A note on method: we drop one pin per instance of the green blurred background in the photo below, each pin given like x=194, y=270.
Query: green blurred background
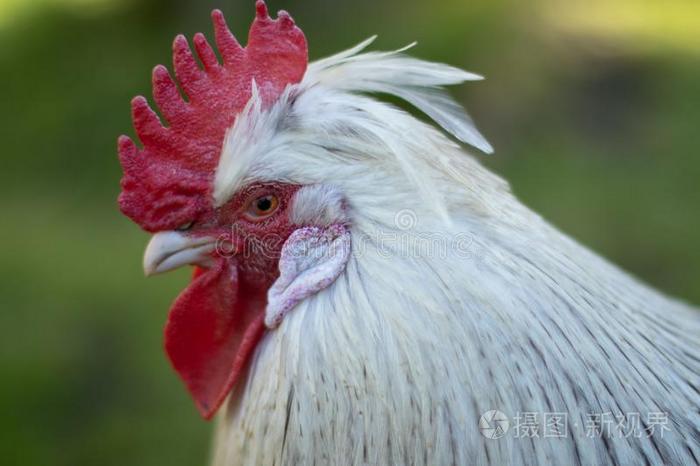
x=593, y=108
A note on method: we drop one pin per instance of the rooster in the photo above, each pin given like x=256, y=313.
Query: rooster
x=365, y=292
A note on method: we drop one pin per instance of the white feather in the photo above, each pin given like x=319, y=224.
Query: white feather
x=415, y=81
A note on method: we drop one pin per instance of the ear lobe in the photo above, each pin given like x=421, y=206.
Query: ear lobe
x=311, y=259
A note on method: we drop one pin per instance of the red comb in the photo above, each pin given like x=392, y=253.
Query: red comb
x=168, y=182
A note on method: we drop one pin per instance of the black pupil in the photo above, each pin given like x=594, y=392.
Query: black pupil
x=264, y=204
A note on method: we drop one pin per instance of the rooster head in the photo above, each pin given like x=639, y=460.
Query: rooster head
x=236, y=244
x=263, y=168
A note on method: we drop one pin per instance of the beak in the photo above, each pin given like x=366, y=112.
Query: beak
x=169, y=250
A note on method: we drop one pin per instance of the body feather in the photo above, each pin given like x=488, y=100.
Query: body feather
x=475, y=303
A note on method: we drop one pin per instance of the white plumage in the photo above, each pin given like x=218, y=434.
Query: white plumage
x=470, y=303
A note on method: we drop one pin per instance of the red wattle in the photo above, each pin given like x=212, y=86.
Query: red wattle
x=212, y=329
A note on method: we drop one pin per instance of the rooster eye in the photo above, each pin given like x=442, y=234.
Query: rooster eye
x=262, y=207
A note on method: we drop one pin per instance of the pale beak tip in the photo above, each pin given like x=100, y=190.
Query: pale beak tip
x=150, y=266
